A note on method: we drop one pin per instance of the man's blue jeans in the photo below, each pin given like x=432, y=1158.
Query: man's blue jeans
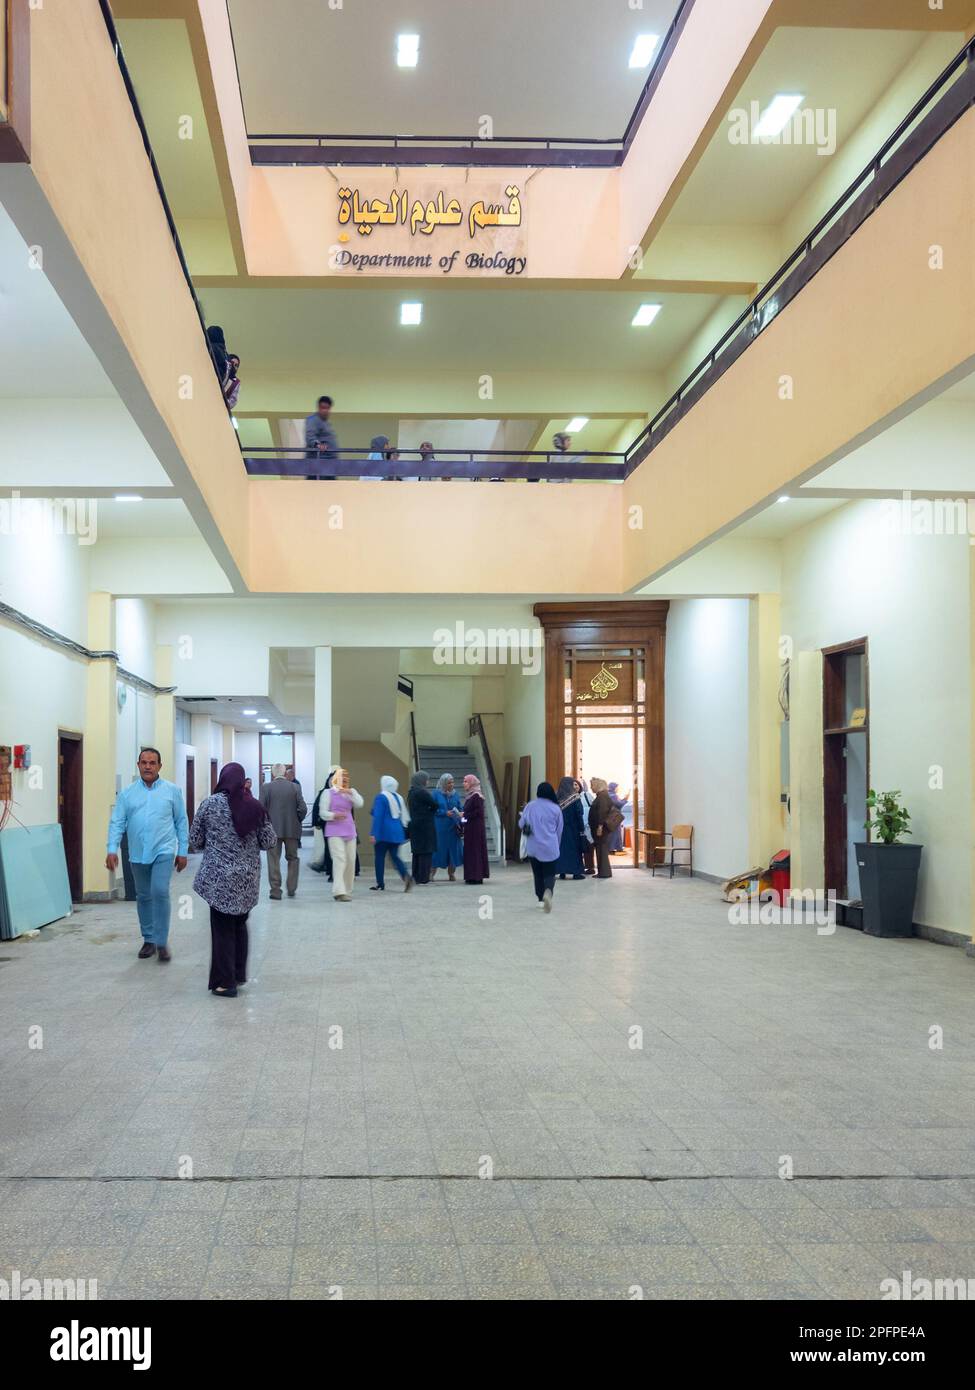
x=152, y=897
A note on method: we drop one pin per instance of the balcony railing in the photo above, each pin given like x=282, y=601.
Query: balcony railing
x=509, y=151
x=489, y=464
x=947, y=99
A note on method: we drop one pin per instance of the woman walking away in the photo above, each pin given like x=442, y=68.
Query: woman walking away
x=542, y=821
x=601, y=817
x=231, y=828
x=450, y=846
x=423, y=829
x=389, y=821
x=573, y=830
x=336, y=807
x=475, y=833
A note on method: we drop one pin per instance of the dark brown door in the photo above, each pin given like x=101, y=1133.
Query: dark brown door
x=214, y=776
x=190, y=789
x=604, y=699
x=70, y=808
x=846, y=763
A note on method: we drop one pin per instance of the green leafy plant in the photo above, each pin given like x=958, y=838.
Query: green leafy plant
x=889, y=819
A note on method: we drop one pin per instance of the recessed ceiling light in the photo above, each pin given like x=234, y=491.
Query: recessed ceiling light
x=644, y=315
x=777, y=115
x=644, y=47
x=248, y=711
x=127, y=497
x=411, y=313
x=407, y=50
x=576, y=424
x=785, y=499
x=263, y=721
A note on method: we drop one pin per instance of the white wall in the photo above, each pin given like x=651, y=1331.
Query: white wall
x=706, y=729
x=524, y=722
x=849, y=576
x=42, y=689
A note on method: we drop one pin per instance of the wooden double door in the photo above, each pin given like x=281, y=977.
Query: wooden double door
x=604, y=689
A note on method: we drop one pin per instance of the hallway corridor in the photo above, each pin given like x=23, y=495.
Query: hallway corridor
x=357, y=1170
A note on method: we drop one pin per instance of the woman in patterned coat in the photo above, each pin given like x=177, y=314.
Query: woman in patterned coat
x=231, y=828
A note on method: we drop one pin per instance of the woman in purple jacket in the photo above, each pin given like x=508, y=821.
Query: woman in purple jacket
x=542, y=820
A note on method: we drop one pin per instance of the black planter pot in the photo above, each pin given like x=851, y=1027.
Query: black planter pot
x=888, y=887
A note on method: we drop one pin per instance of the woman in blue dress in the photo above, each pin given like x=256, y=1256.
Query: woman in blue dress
x=573, y=829
x=450, y=846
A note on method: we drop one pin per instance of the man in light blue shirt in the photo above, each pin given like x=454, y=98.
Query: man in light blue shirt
x=152, y=814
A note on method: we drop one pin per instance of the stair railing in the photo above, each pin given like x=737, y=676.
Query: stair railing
x=475, y=729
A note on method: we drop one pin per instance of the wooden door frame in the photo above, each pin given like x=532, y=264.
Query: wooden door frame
x=190, y=780
x=638, y=623
x=835, y=762
x=74, y=852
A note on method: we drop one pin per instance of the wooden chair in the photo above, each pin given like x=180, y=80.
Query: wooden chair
x=671, y=848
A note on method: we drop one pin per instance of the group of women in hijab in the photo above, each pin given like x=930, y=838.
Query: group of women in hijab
x=447, y=831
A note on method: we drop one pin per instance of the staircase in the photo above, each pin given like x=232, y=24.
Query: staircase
x=437, y=759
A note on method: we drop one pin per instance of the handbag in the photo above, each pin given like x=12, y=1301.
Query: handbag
x=614, y=819
x=523, y=844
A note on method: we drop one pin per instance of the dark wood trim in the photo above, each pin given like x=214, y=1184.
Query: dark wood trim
x=15, y=131
x=71, y=807
x=835, y=735
x=637, y=623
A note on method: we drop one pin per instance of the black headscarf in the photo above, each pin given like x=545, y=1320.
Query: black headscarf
x=247, y=812
x=567, y=792
x=546, y=792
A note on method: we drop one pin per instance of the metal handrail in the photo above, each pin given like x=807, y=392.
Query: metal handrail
x=300, y=461
x=414, y=747
x=475, y=729
x=109, y=19
x=644, y=442
x=526, y=149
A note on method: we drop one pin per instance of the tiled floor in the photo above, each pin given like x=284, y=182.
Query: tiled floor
x=443, y=1096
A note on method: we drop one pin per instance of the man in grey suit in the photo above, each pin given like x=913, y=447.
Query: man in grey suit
x=285, y=805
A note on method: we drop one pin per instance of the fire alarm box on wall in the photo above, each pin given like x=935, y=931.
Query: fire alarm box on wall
x=22, y=756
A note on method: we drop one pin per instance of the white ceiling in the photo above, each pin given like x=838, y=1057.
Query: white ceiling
x=844, y=72
x=230, y=711
x=42, y=350
x=358, y=329
x=150, y=518
x=535, y=67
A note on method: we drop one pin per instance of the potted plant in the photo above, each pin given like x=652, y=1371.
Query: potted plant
x=888, y=868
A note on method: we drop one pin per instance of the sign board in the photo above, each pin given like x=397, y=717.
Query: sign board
x=424, y=228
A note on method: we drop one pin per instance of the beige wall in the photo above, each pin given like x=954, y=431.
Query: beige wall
x=744, y=443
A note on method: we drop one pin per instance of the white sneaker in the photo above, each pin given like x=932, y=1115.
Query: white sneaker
x=547, y=900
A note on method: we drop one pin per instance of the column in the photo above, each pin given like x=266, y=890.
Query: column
x=228, y=749
x=766, y=822
x=323, y=714
x=99, y=753
x=164, y=735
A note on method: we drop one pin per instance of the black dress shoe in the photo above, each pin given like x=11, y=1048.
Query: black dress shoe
x=225, y=993
x=165, y=953
x=147, y=950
